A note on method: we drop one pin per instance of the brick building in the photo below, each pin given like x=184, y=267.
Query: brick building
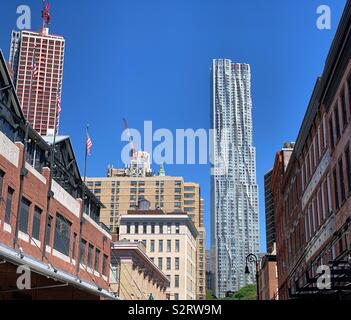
x=268, y=278
x=312, y=196
x=42, y=222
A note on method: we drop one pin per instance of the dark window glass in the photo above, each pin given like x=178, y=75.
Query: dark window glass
x=331, y=132
x=8, y=209
x=342, y=182
x=104, y=265
x=48, y=231
x=97, y=260
x=36, y=223
x=24, y=214
x=336, y=191
x=337, y=123
x=343, y=110
x=83, y=245
x=90, y=255
x=62, y=234
x=348, y=167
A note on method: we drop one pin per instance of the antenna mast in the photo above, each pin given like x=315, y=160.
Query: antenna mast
x=45, y=14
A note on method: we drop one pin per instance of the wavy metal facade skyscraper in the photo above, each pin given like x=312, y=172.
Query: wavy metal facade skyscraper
x=235, y=222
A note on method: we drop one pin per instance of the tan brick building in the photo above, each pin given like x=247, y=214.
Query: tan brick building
x=170, y=241
x=120, y=192
x=135, y=276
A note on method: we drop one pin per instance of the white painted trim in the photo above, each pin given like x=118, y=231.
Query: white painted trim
x=61, y=256
x=23, y=236
x=62, y=196
x=35, y=173
x=9, y=150
x=35, y=242
x=90, y=220
x=7, y=227
x=48, y=249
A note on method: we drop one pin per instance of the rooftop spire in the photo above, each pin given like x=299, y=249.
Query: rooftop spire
x=45, y=14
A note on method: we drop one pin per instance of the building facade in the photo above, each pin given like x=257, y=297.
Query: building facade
x=313, y=194
x=268, y=278
x=235, y=226
x=38, y=95
x=170, y=241
x=269, y=210
x=122, y=190
x=43, y=225
x=133, y=275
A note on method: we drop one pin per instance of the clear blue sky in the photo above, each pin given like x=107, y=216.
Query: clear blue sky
x=150, y=60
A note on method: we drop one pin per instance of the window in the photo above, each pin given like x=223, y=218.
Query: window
x=177, y=246
x=160, y=263
x=343, y=110
x=160, y=245
x=177, y=228
x=342, y=182
x=336, y=192
x=36, y=223
x=8, y=209
x=161, y=228
x=83, y=245
x=62, y=234
x=128, y=228
x=168, y=263
x=176, y=263
x=104, y=265
x=90, y=255
x=176, y=281
x=24, y=214
x=332, y=143
x=136, y=228
x=176, y=296
x=144, y=228
x=48, y=231
x=152, y=228
x=337, y=123
x=97, y=260
x=348, y=167
x=152, y=246
x=169, y=245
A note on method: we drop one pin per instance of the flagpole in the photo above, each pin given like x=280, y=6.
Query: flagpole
x=86, y=154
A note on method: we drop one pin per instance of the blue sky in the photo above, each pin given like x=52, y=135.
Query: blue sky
x=150, y=60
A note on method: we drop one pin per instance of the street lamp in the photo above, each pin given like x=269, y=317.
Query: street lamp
x=249, y=259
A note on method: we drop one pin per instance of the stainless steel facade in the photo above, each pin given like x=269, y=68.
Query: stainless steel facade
x=235, y=224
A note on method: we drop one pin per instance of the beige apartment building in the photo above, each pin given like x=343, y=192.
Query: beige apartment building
x=170, y=241
x=122, y=190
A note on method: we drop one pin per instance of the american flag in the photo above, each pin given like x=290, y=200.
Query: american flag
x=89, y=144
x=58, y=105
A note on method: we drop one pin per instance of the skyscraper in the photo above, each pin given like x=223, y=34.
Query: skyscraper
x=38, y=95
x=235, y=226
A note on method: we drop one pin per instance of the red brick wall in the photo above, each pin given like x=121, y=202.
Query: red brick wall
x=36, y=192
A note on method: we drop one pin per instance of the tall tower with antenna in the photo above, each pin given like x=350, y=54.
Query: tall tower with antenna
x=45, y=52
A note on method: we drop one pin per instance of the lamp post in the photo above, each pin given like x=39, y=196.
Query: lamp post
x=249, y=259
